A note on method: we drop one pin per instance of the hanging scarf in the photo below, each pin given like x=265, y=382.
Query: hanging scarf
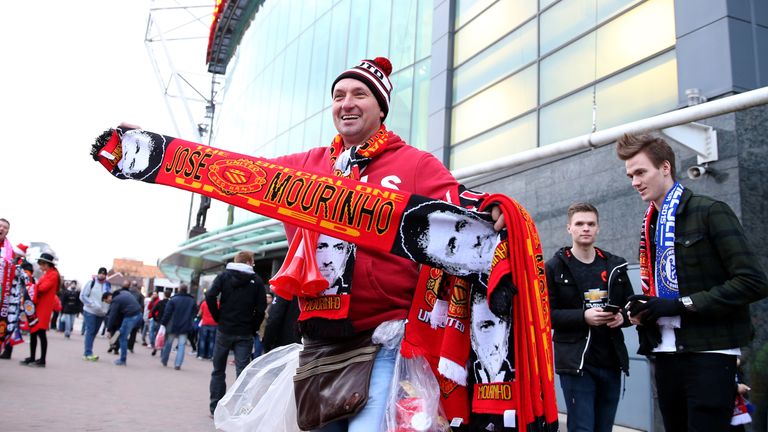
x=518, y=261
x=7, y=271
x=658, y=274
x=324, y=300
x=20, y=302
x=394, y=221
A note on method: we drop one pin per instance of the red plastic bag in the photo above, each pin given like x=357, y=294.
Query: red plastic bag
x=160, y=338
x=414, y=399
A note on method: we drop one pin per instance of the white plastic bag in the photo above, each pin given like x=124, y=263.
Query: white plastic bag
x=413, y=404
x=261, y=399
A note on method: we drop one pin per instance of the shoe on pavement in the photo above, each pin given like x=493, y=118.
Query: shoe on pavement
x=154, y=351
x=119, y=362
x=164, y=364
x=177, y=367
x=27, y=361
x=37, y=363
x=91, y=357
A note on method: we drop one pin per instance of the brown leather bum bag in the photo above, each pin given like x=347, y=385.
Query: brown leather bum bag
x=331, y=382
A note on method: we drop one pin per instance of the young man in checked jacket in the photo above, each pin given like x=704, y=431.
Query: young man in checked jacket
x=699, y=277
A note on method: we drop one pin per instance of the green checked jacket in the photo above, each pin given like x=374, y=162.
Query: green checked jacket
x=719, y=271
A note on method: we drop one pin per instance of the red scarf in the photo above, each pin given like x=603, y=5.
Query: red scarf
x=646, y=259
x=521, y=259
x=299, y=275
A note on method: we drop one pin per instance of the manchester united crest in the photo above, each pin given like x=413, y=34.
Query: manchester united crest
x=239, y=176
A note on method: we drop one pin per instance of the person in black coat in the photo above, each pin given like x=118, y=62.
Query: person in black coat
x=177, y=319
x=240, y=310
x=281, y=324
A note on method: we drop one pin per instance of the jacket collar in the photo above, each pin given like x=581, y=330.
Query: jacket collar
x=242, y=267
x=687, y=194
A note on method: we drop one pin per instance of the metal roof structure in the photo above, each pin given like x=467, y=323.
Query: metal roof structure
x=182, y=37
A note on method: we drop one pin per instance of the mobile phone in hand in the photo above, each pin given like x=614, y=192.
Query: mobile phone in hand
x=611, y=308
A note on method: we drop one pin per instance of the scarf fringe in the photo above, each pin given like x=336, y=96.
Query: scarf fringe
x=100, y=142
x=453, y=371
x=439, y=315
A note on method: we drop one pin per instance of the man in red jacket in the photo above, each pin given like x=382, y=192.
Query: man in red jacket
x=381, y=286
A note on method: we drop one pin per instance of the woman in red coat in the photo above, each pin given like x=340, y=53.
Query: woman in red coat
x=44, y=301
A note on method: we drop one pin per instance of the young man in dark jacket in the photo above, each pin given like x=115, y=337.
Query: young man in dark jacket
x=178, y=319
x=242, y=301
x=587, y=289
x=699, y=276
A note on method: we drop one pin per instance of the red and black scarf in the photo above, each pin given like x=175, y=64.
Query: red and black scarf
x=383, y=219
x=323, y=303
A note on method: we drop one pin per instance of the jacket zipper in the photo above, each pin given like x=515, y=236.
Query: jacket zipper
x=586, y=347
x=609, y=279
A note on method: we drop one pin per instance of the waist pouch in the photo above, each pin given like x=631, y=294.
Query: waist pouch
x=331, y=382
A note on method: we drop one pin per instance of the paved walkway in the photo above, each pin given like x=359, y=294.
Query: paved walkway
x=72, y=394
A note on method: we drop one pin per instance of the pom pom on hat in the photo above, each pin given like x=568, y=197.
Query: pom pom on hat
x=375, y=75
x=384, y=64
x=20, y=249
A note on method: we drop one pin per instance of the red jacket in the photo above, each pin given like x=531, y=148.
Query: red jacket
x=45, y=298
x=383, y=284
x=205, y=315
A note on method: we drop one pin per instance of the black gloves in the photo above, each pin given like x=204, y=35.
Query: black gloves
x=649, y=309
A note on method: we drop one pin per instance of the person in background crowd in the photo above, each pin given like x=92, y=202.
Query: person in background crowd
x=207, y=331
x=148, y=304
x=45, y=294
x=70, y=306
x=177, y=319
x=157, y=316
x=258, y=345
x=124, y=313
x=94, y=310
x=281, y=324
x=236, y=300
x=56, y=324
x=133, y=288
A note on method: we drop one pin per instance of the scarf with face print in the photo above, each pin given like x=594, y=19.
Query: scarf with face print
x=318, y=267
x=431, y=232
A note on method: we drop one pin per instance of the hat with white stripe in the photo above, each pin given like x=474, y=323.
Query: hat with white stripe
x=375, y=75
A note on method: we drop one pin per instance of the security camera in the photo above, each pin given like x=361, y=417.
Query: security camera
x=696, y=171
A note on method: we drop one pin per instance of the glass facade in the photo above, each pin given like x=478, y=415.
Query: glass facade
x=278, y=91
x=557, y=69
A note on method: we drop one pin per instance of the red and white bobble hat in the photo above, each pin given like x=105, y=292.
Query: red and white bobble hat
x=375, y=75
x=20, y=249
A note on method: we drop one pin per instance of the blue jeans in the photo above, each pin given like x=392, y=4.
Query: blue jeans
x=591, y=398
x=92, y=324
x=206, y=341
x=68, y=320
x=371, y=417
x=153, y=326
x=166, y=352
x=258, y=348
x=125, y=330
x=243, y=346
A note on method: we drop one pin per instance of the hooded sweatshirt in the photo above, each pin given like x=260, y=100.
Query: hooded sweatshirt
x=242, y=300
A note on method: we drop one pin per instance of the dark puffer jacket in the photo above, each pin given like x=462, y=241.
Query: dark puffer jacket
x=242, y=302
